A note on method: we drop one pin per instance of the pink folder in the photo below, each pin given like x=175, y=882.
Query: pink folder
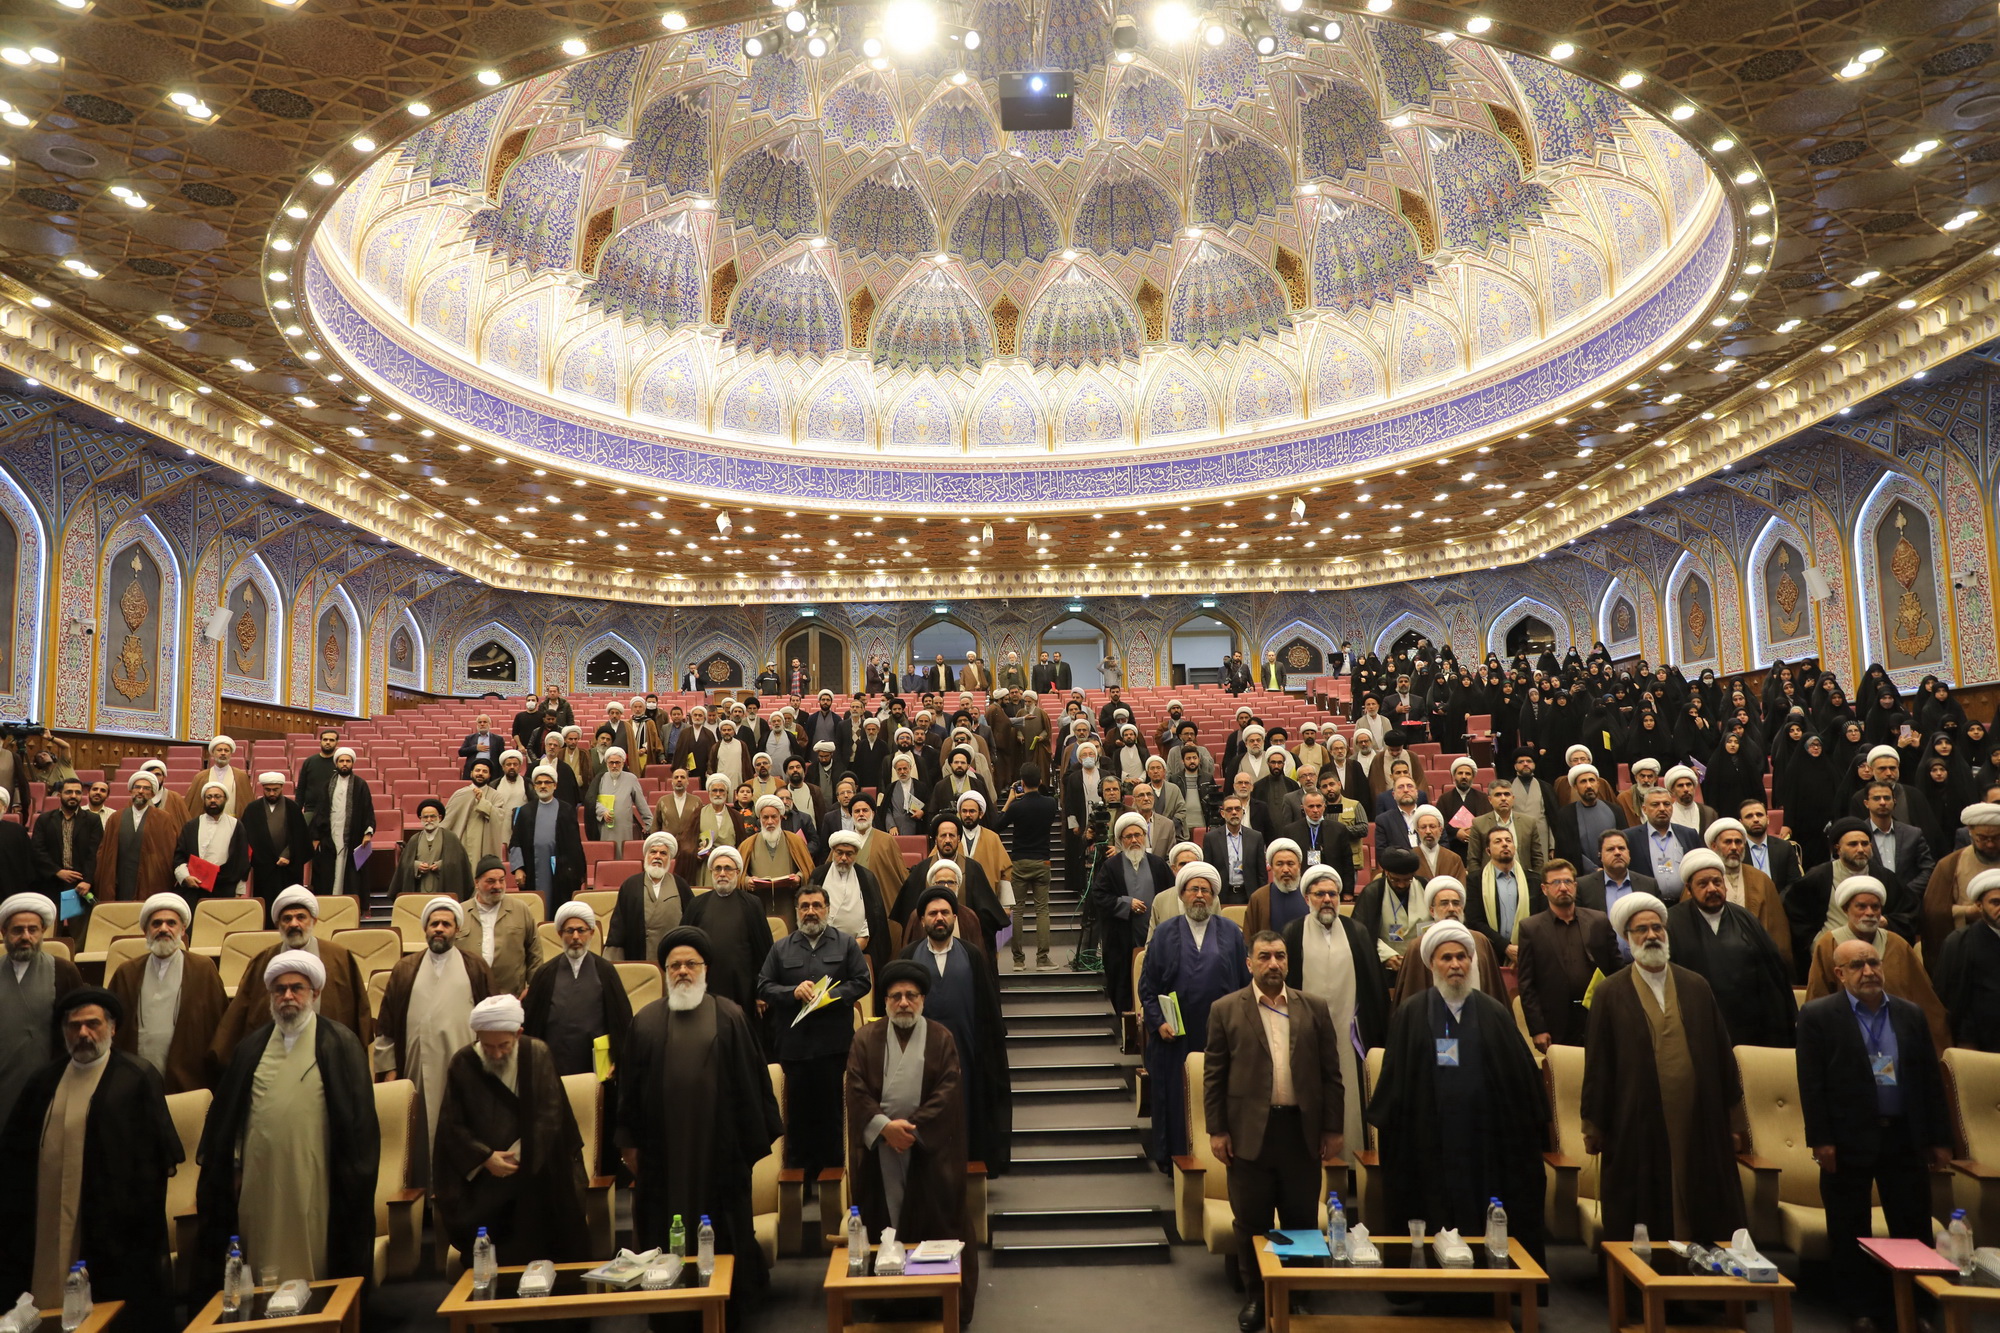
x=1907, y=1256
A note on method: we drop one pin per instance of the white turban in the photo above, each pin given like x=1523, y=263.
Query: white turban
x=905, y=731
x=1676, y=773
x=1314, y=874
x=1430, y=810
x=208, y=787
x=456, y=908
x=1646, y=766
x=497, y=1013
x=1575, y=750
x=143, y=775
x=505, y=755
x=1180, y=847
x=845, y=838
x=938, y=868
x=1253, y=730
x=158, y=766
x=1854, y=886
x=549, y=769
x=1197, y=870
x=1464, y=762
x=296, y=896
x=577, y=910
x=345, y=750
x=1130, y=819
x=1722, y=826
x=1174, y=703
x=164, y=902
x=1980, y=814
x=1698, y=859
x=714, y=780
x=1308, y=726
x=1277, y=845
x=1632, y=904
x=771, y=801
x=274, y=776
x=214, y=741
x=1431, y=887
x=40, y=904
x=1440, y=933
x=1884, y=752
x=305, y=964
x=618, y=750
x=1982, y=884
x=663, y=839
x=725, y=852
x=1581, y=771
x=972, y=794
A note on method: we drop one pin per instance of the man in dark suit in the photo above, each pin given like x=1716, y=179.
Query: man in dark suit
x=1235, y=674
x=280, y=843
x=1909, y=806
x=1236, y=851
x=691, y=680
x=484, y=743
x=1559, y=951
x=1321, y=838
x=1271, y=1136
x=1900, y=847
x=1502, y=894
x=938, y=676
x=1043, y=676
x=1775, y=856
x=545, y=851
x=1658, y=844
x=1614, y=878
x=1060, y=675
x=86, y=831
x=1875, y=1117
x=1397, y=826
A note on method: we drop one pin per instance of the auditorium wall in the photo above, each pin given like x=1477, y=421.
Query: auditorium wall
x=1892, y=506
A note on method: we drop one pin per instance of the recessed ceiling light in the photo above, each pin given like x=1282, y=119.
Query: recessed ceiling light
x=489, y=77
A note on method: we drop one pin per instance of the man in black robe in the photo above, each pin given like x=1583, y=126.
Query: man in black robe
x=1730, y=949
x=508, y=1155
x=739, y=934
x=696, y=1112
x=544, y=849
x=1459, y=1112
x=108, y=1155
x=948, y=844
x=1968, y=969
x=1121, y=897
x=854, y=898
x=965, y=998
x=280, y=843
x=812, y=1049
x=906, y=1147
x=576, y=997
x=349, y=1154
x=347, y=798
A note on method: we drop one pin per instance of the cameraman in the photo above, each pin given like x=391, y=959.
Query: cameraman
x=1031, y=813
x=48, y=760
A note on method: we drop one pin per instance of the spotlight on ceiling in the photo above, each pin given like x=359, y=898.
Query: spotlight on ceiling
x=1256, y=30
x=1317, y=28
x=820, y=40
x=768, y=42
x=1214, y=32
x=1173, y=21
x=795, y=21
x=1125, y=36
x=909, y=26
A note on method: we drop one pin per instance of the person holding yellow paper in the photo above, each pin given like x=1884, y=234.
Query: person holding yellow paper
x=576, y=997
x=1563, y=948
x=808, y=988
x=614, y=807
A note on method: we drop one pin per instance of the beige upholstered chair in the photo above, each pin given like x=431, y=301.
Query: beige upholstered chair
x=552, y=945
x=107, y=922
x=602, y=902
x=337, y=912
x=406, y=918
x=57, y=946
x=216, y=918
x=375, y=949
x=378, y=988
x=1201, y=1182
x=190, y=1112
x=777, y=925
x=1972, y=1084
x=1371, y=1206
x=122, y=951
x=1236, y=912
x=600, y=1200
x=643, y=983
x=237, y=952
x=767, y=1189
x=1571, y=1205
x=398, y=1206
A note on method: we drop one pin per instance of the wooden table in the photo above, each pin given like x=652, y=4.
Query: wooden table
x=339, y=1308
x=842, y=1291
x=1962, y=1299
x=1657, y=1288
x=101, y=1315
x=1520, y=1281
x=573, y=1299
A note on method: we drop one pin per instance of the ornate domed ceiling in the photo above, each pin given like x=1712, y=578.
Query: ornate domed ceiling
x=770, y=278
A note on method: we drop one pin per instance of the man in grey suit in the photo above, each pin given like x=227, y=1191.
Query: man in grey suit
x=1530, y=843
x=1658, y=844
x=1271, y=1127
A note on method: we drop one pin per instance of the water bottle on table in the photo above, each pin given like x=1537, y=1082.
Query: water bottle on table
x=485, y=1262
x=857, y=1243
x=1961, y=1242
x=1496, y=1231
x=76, y=1297
x=233, y=1270
x=677, y=1236
x=1336, y=1230
x=705, y=1253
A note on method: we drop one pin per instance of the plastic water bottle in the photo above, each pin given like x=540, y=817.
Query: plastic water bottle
x=857, y=1243
x=704, y=1262
x=485, y=1262
x=76, y=1297
x=1961, y=1242
x=1496, y=1231
x=232, y=1277
x=1642, y=1243
x=677, y=1236
x=1336, y=1229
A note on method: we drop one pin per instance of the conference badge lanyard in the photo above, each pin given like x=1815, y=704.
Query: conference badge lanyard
x=1880, y=1062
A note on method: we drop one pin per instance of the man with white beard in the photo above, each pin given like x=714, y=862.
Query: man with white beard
x=295, y=1114
x=501, y=929
x=576, y=997
x=816, y=964
x=853, y=899
x=90, y=1148
x=427, y=1008
x=1279, y=903
x=696, y=1112
x=1460, y=1113
x=776, y=859
x=1197, y=957
x=1661, y=1092
x=1433, y=857
x=881, y=854
x=717, y=825
x=1332, y=958
x=650, y=903
x=1120, y=896
x=341, y=996
x=738, y=934
x=614, y=806
x=174, y=998
x=510, y=792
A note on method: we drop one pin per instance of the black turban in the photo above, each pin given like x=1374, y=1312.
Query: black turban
x=1840, y=828
x=70, y=1001
x=694, y=937
x=1398, y=861
x=906, y=969
x=429, y=801
x=931, y=895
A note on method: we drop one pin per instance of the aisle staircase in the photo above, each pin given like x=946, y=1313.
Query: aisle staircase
x=1081, y=1190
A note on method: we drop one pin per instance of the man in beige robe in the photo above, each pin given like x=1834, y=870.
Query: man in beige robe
x=983, y=845
x=883, y=857
x=1861, y=898
x=427, y=1009
x=234, y=778
x=475, y=816
x=776, y=860
x=343, y=997
x=500, y=929
x=1750, y=888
